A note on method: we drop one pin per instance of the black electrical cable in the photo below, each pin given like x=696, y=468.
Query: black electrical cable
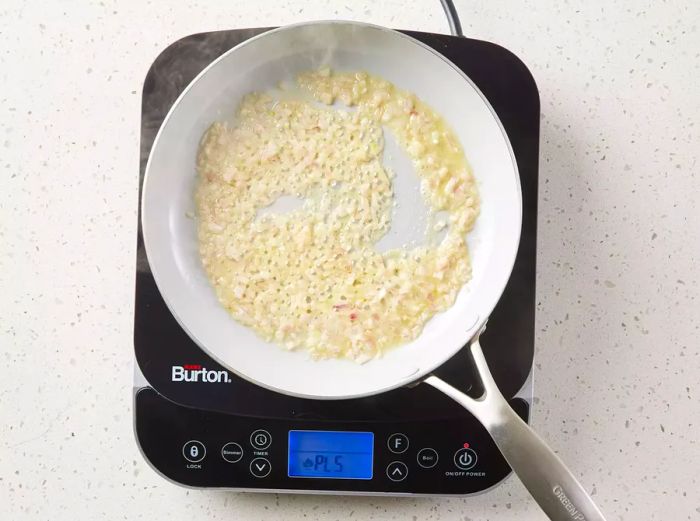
x=452, y=17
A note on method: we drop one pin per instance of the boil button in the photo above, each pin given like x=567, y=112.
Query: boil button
x=427, y=458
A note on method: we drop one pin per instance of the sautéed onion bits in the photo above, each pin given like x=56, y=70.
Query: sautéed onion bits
x=312, y=278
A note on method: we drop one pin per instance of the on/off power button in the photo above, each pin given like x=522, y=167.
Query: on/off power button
x=465, y=459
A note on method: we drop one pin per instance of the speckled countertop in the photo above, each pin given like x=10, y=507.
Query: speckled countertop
x=618, y=363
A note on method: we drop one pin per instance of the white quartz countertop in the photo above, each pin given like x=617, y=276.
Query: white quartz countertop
x=618, y=324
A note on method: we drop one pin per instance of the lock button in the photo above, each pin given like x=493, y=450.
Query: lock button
x=194, y=451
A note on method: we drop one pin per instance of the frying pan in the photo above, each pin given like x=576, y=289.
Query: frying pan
x=170, y=236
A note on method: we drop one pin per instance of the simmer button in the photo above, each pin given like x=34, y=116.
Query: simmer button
x=232, y=452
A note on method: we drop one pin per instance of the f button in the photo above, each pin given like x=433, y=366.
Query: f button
x=398, y=443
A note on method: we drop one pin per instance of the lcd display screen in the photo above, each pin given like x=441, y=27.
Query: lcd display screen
x=330, y=454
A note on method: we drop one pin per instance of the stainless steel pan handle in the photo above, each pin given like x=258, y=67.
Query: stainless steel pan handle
x=544, y=475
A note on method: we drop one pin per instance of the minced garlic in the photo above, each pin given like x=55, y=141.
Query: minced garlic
x=311, y=278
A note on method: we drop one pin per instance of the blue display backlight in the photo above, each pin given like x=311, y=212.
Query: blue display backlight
x=329, y=454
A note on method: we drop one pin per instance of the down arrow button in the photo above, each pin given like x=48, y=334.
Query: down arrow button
x=260, y=467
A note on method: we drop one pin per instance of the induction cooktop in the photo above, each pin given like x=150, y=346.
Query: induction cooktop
x=199, y=425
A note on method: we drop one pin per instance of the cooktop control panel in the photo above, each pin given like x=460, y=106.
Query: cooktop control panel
x=208, y=449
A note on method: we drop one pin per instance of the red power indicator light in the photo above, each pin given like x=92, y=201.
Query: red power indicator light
x=466, y=445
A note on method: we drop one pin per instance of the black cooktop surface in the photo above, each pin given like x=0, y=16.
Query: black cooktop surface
x=207, y=433
x=508, y=343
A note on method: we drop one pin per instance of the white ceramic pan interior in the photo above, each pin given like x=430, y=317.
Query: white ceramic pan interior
x=260, y=64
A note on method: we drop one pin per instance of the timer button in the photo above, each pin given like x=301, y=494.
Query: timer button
x=194, y=451
x=397, y=471
x=260, y=467
x=260, y=439
x=397, y=443
x=465, y=459
x=427, y=458
x=232, y=452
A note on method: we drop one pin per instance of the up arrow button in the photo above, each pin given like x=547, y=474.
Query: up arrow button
x=397, y=471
